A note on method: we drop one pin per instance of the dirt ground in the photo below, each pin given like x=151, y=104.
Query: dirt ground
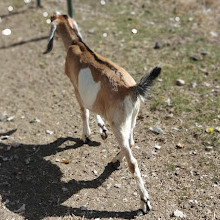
x=46, y=172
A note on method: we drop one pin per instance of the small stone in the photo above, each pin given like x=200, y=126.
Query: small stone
x=49, y=132
x=169, y=116
x=157, y=46
x=102, y=2
x=83, y=208
x=193, y=153
x=6, y=32
x=175, y=129
x=27, y=1
x=217, y=129
x=168, y=101
x=117, y=186
x=48, y=21
x=177, y=213
x=134, y=194
x=8, y=148
x=157, y=147
x=180, y=146
x=194, y=85
x=27, y=160
x=195, y=58
x=64, y=189
x=6, y=201
x=10, y=8
x=10, y=118
x=108, y=186
x=209, y=148
x=213, y=34
x=5, y=159
x=21, y=209
x=45, y=14
x=15, y=144
x=4, y=137
x=177, y=19
x=156, y=130
x=180, y=82
x=206, y=84
x=35, y=120
x=134, y=31
x=204, y=53
x=153, y=152
x=3, y=116
x=95, y=172
x=137, y=147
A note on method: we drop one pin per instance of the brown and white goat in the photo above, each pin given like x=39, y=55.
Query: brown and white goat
x=106, y=89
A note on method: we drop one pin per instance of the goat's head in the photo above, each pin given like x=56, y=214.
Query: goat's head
x=58, y=21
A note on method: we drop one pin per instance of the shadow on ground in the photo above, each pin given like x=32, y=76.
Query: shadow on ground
x=20, y=43
x=27, y=178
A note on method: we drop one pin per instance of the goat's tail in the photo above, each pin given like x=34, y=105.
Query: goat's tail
x=143, y=87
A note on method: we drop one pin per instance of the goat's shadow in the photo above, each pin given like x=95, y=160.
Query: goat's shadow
x=27, y=178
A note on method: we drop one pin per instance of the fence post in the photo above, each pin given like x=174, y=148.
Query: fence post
x=70, y=8
x=39, y=3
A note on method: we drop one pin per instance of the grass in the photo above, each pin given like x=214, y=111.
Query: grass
x=18, y=4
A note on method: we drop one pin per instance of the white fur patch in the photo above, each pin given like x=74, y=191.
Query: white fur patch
x=88, y=88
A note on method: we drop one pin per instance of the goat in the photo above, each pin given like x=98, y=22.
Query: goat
x=106, y=89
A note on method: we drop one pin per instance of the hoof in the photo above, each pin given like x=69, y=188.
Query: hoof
x=103, y=131
x=140, y=212
x=104, y=134
x=146, y=206
x=86, y=140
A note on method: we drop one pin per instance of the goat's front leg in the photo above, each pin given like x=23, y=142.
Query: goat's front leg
x=102, y=129
x=85, y=118
x=86, y=129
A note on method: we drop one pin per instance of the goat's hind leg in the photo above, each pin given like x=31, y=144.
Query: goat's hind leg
x=123, y=138
x=102, y=129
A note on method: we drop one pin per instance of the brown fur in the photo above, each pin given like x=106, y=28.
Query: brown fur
x=115, y=85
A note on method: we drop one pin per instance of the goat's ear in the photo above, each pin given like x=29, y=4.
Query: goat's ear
x=77, y=29
x=50, y=38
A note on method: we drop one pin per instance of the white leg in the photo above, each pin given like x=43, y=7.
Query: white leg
x=85, y=118
x=133, y=123
x=123, y=133
x=86, y=129
x=102, y=129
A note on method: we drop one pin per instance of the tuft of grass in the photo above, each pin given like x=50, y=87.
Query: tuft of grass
x=18, y=4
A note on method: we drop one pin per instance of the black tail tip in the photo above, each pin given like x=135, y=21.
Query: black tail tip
x=156, y=71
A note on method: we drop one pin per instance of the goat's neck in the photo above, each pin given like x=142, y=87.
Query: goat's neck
x=68, y=36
